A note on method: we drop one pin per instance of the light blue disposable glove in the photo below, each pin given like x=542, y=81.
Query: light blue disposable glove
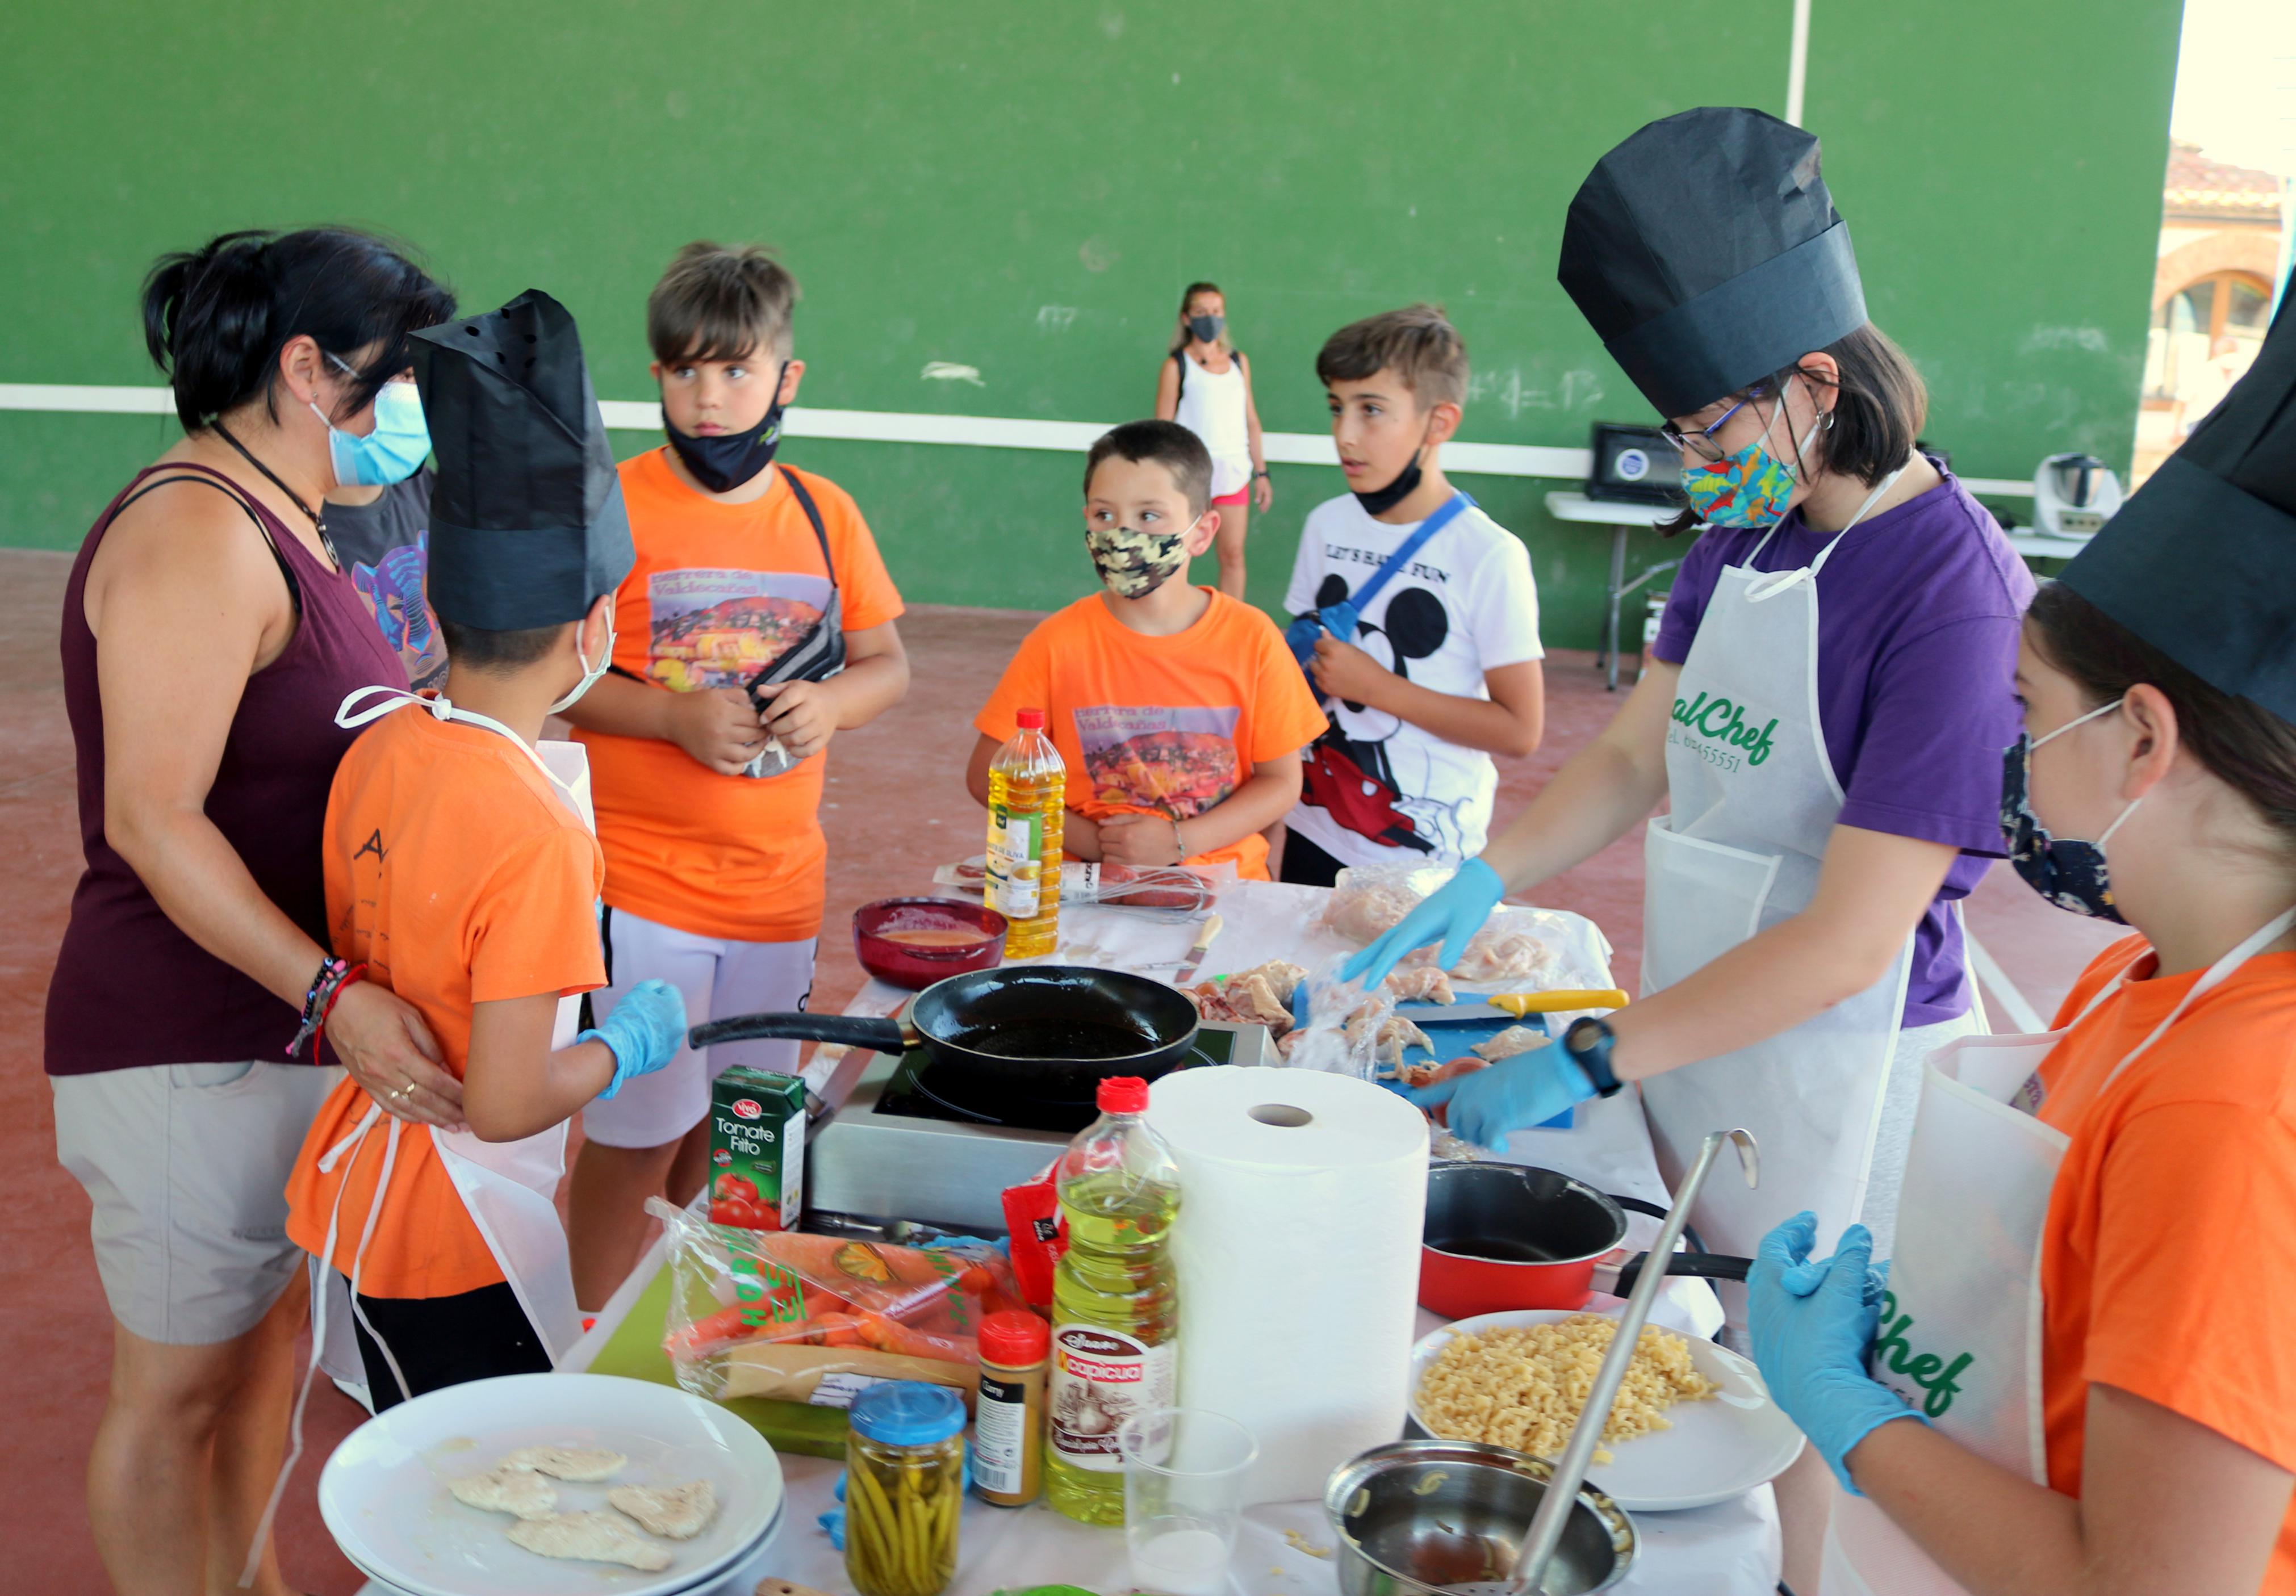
x=1512, y=1095
x=645, y=1030
x=1451, y=915
x=1813, y=1323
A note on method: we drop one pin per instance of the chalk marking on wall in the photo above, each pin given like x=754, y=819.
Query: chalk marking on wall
x=948, y=371
x=907, y=427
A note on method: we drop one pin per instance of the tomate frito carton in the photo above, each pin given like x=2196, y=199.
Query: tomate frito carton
x=757, y=1149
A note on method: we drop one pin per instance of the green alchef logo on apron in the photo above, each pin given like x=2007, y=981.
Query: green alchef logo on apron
x=1723, y=721
x=1936, y=1377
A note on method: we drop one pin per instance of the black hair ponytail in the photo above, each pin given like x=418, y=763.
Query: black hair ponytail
x=215, y=318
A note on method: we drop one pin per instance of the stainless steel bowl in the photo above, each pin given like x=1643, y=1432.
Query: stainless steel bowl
x=1425, y=1518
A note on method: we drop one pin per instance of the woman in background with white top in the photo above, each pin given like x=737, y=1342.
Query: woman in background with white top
x=1206, y=387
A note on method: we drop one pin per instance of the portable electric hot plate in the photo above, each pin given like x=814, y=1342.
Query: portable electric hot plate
x=894, y=1150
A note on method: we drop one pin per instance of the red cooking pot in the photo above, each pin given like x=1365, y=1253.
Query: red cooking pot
x=1501, y=1236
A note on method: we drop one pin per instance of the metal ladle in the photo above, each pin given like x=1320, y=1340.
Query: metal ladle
x=1561, y=1494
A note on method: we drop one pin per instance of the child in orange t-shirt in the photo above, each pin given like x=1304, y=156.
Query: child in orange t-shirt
x=707, y=781
x=461, y=875
x=1178, y=711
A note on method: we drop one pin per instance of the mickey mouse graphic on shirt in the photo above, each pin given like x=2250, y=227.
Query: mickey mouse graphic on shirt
x=1413, y=626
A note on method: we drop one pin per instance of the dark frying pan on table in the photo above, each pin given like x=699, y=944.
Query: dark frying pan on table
x=1045, y=1033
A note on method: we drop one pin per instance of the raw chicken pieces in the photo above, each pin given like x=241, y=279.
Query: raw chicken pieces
x=1369, y=903
x=1262, y=995
x=1434, y=1074
x=679, y=1512
x=584, y=1464
x=1515, y=1039
x=1425, y=985
x=515, y=1491
x=590, y=1537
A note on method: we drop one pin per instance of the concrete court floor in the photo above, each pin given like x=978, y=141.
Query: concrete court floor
x=896, y=807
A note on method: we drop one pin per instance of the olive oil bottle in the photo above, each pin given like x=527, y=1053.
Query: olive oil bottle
x=1115, y=1312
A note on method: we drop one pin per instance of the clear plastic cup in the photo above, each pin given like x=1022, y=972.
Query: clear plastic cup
x=1184, y=1471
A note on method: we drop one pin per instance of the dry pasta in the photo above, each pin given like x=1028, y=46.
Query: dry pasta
x=1523, y=1388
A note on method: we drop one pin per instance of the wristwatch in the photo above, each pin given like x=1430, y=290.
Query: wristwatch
x=1588, y=1044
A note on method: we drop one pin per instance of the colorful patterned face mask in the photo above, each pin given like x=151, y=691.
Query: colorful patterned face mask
x=1134, y=563
x=1746, y=490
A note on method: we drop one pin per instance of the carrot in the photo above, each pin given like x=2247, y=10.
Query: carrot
x=840, y=1330
x=889, y=1335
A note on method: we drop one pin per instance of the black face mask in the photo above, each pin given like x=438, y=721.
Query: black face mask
x=1206, y=328
x=724, y=460
x=1380, y=501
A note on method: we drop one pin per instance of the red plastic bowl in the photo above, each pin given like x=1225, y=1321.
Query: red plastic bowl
x=971, y=937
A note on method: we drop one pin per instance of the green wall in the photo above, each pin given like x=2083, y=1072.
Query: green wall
x=1024, y=187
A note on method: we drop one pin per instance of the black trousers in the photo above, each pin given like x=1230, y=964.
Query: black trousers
x=443, y=1341
x=1307, y=865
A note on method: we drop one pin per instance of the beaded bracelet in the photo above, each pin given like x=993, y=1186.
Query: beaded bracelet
x=319, y=1031
x=1179, y=842
x=334, y=973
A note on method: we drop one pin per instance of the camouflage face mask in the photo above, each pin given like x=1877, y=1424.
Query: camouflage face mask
x=1134, y=563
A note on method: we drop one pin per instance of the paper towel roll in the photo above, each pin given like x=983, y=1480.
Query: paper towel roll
x=1296, y=1249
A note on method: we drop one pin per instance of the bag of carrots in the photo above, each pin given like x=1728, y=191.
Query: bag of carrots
x=816, y=1319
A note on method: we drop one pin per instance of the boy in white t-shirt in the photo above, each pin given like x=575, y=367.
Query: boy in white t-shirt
x=1443, y=670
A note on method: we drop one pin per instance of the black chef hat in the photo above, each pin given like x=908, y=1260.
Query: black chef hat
x=1707, y=253
x=526, y=523
x=2201, y=562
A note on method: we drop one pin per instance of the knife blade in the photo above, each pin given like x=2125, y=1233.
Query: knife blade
x=1203, y=945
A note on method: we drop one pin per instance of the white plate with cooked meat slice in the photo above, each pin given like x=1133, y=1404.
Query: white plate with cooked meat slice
x=674, y=1512
x=387, y=1495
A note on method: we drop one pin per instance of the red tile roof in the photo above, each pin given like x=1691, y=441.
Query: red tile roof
x=2198, y=186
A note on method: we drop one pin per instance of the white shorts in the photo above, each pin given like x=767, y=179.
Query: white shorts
x=718, y=978
x=186, y=1166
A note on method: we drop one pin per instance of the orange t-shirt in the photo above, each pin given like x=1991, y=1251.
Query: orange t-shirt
x=2161, y=1268
x=1160, y=725
x=457, y=873
x=718, y=593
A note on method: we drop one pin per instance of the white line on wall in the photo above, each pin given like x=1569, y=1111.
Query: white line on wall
x=915, y=427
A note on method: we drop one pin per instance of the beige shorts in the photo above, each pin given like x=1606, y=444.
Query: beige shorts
x=186, y=1165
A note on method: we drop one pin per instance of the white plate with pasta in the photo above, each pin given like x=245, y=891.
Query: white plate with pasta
x=1513, y=1388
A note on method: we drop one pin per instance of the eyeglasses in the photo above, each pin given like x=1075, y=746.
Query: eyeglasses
x=1701, y=443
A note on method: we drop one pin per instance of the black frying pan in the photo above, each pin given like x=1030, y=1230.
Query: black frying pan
x=1039, y=1033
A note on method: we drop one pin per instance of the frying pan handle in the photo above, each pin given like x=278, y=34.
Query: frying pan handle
x=854, y=1030
x=1704, y=1266
x=1637, y=1205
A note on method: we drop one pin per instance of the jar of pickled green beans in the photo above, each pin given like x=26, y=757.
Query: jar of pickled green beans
x=904, y=1488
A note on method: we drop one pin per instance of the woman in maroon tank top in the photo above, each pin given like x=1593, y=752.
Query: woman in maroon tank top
x=208, y=634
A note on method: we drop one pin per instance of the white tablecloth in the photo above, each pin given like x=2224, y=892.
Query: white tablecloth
x=1728, y=1550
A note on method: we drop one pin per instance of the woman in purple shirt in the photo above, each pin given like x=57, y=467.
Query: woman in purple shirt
x=209, y=634
x=1823, y=711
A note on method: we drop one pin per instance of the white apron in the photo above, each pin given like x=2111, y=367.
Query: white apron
x=1961, y=1328
x=1753, y=803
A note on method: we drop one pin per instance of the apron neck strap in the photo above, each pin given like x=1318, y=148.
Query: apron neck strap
x=1770, y=586
x=443, y=708
x=2215, y=976
x=1872, y=499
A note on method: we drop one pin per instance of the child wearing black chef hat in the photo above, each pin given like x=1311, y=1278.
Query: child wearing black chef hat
x=460, y=872
x=2077, y=1374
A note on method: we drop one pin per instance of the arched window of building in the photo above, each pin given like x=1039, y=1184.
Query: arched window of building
x=2204, y=337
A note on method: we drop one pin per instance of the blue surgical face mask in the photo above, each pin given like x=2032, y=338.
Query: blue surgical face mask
x=393, y=452
x=2068, y=872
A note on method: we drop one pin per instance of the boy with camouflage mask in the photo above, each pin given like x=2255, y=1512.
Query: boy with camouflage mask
x=1178, y=710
